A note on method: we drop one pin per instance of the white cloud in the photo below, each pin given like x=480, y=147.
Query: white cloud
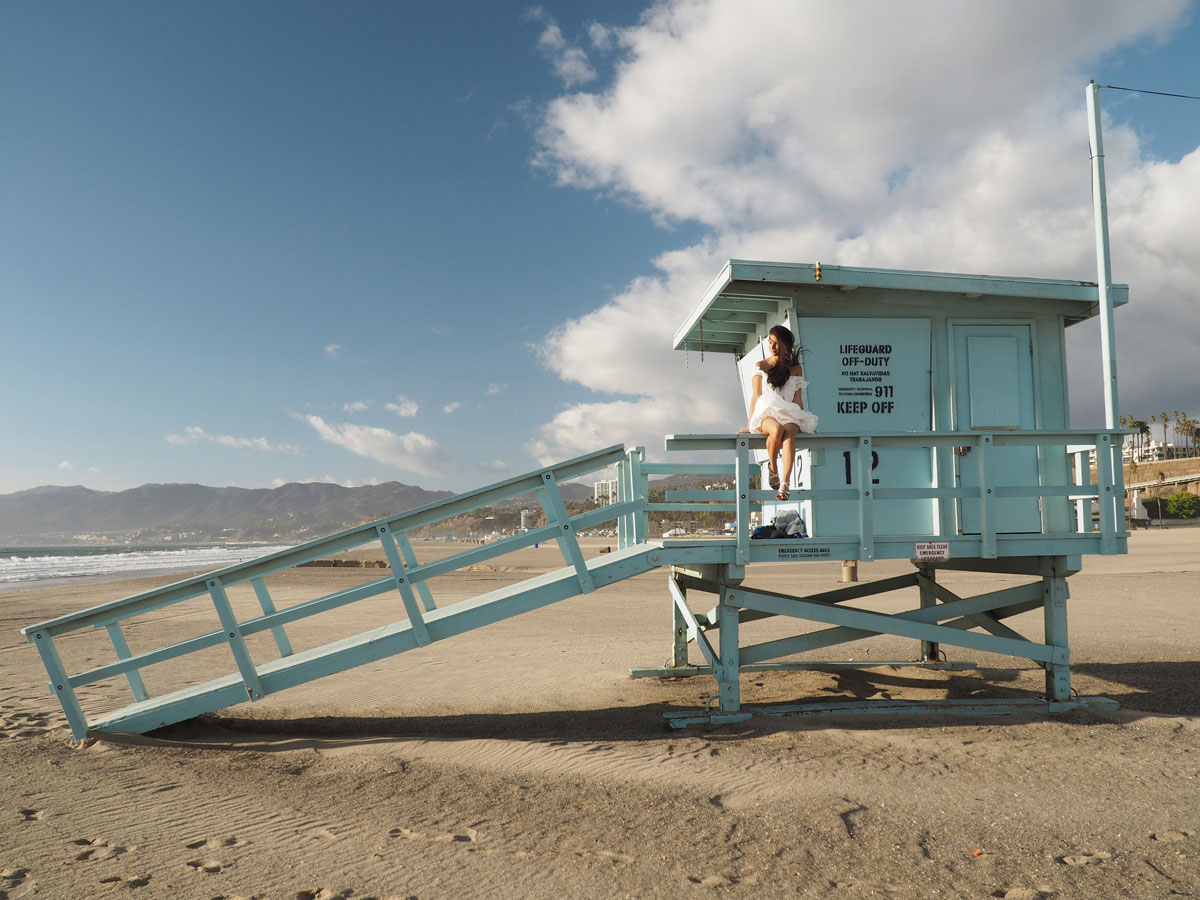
x=332, y=350
x=494, y=466
x=493, y=389
x=888, y=142
x=451, y=407
x=414, y=451
x=570, y=62
x=601, y=36
x=403, y=407
x=357, y=406
x=194, y=434
x=65, y=465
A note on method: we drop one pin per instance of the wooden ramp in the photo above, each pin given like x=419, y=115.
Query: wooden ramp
x=422, y=623
x=369, y=646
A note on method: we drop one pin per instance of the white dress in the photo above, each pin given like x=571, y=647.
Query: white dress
x=777, y=404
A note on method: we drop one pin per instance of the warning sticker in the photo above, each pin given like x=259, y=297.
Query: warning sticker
x=927, y=550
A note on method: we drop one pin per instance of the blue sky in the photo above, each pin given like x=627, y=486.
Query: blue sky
x=252, y=243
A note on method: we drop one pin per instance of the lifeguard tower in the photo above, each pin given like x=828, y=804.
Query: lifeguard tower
x=944, y=439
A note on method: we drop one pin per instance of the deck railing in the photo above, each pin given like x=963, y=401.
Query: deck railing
x=1107, y=494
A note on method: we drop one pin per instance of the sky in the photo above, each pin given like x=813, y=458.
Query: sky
x=252, y=243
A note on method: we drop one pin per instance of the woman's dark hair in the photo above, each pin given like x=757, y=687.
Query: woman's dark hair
x=779, y=373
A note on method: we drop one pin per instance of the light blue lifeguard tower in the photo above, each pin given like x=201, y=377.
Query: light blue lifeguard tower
x=944, y=440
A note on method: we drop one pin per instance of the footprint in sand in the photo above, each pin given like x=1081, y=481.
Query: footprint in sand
x=1021, y=894
x=1094, y=858
x=129, y=881
x=13, y=879
x=31, y=815
x=207, y=866
x=1172, y=836
x=98, y=848
x=615, y=858
x=466, y=836
x=712, y=881
x=24, y=725
x=216, y=843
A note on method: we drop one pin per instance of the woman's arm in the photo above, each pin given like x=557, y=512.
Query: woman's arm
x=798, y=370
x=757, y=381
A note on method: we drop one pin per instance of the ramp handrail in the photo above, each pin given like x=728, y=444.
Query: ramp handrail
x=1108, y=492
x=407, y=576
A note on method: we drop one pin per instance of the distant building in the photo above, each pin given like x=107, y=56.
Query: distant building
x=605, y=492
x=529, y=519
x=1146, y=451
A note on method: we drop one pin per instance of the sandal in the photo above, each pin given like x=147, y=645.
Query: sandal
x=785, y=491
x=772, y=478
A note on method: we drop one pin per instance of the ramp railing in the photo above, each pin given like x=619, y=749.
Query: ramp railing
x=407, y=577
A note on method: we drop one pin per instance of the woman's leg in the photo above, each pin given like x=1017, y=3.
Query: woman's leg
x=774, y=432
x=788, y=444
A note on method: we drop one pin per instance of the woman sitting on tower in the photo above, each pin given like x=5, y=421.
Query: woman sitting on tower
x=777, y=410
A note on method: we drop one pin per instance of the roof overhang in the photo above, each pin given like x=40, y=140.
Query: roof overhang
x=748, y=297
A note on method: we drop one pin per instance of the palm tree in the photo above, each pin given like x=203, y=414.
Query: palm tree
x=1188, y=428
x=1143, y=428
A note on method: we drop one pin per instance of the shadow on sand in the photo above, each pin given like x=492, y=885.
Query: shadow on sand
x=1161, y=688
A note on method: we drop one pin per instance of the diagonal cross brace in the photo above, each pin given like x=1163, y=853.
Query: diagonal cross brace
x=917, y=623
x=694, y=627
x=839, y=595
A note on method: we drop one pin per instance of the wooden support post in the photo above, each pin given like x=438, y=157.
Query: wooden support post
x=133, y=676
x=237, y=643
x=639, y=489
x=268, y=607
x=407, y=597
x=623, y=495
x=1107, y=499
x=930, y=650
x=410, y=562
x=728, y=691
x=679, y=633
x=556, y=514
x=741, y=482
x=1054, y=599
x=987, y=500
x=60, y=684
x=866, y=504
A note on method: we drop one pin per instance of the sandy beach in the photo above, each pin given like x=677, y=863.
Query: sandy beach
x=521, y=760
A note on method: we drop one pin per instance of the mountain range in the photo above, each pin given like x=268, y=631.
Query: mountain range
x=153, y=512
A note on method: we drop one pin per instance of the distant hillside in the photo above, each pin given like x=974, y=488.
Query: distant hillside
x=193, y=512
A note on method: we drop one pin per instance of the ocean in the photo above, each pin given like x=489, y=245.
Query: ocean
x=23, y=567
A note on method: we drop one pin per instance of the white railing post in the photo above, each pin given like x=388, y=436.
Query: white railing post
x=741, y=477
